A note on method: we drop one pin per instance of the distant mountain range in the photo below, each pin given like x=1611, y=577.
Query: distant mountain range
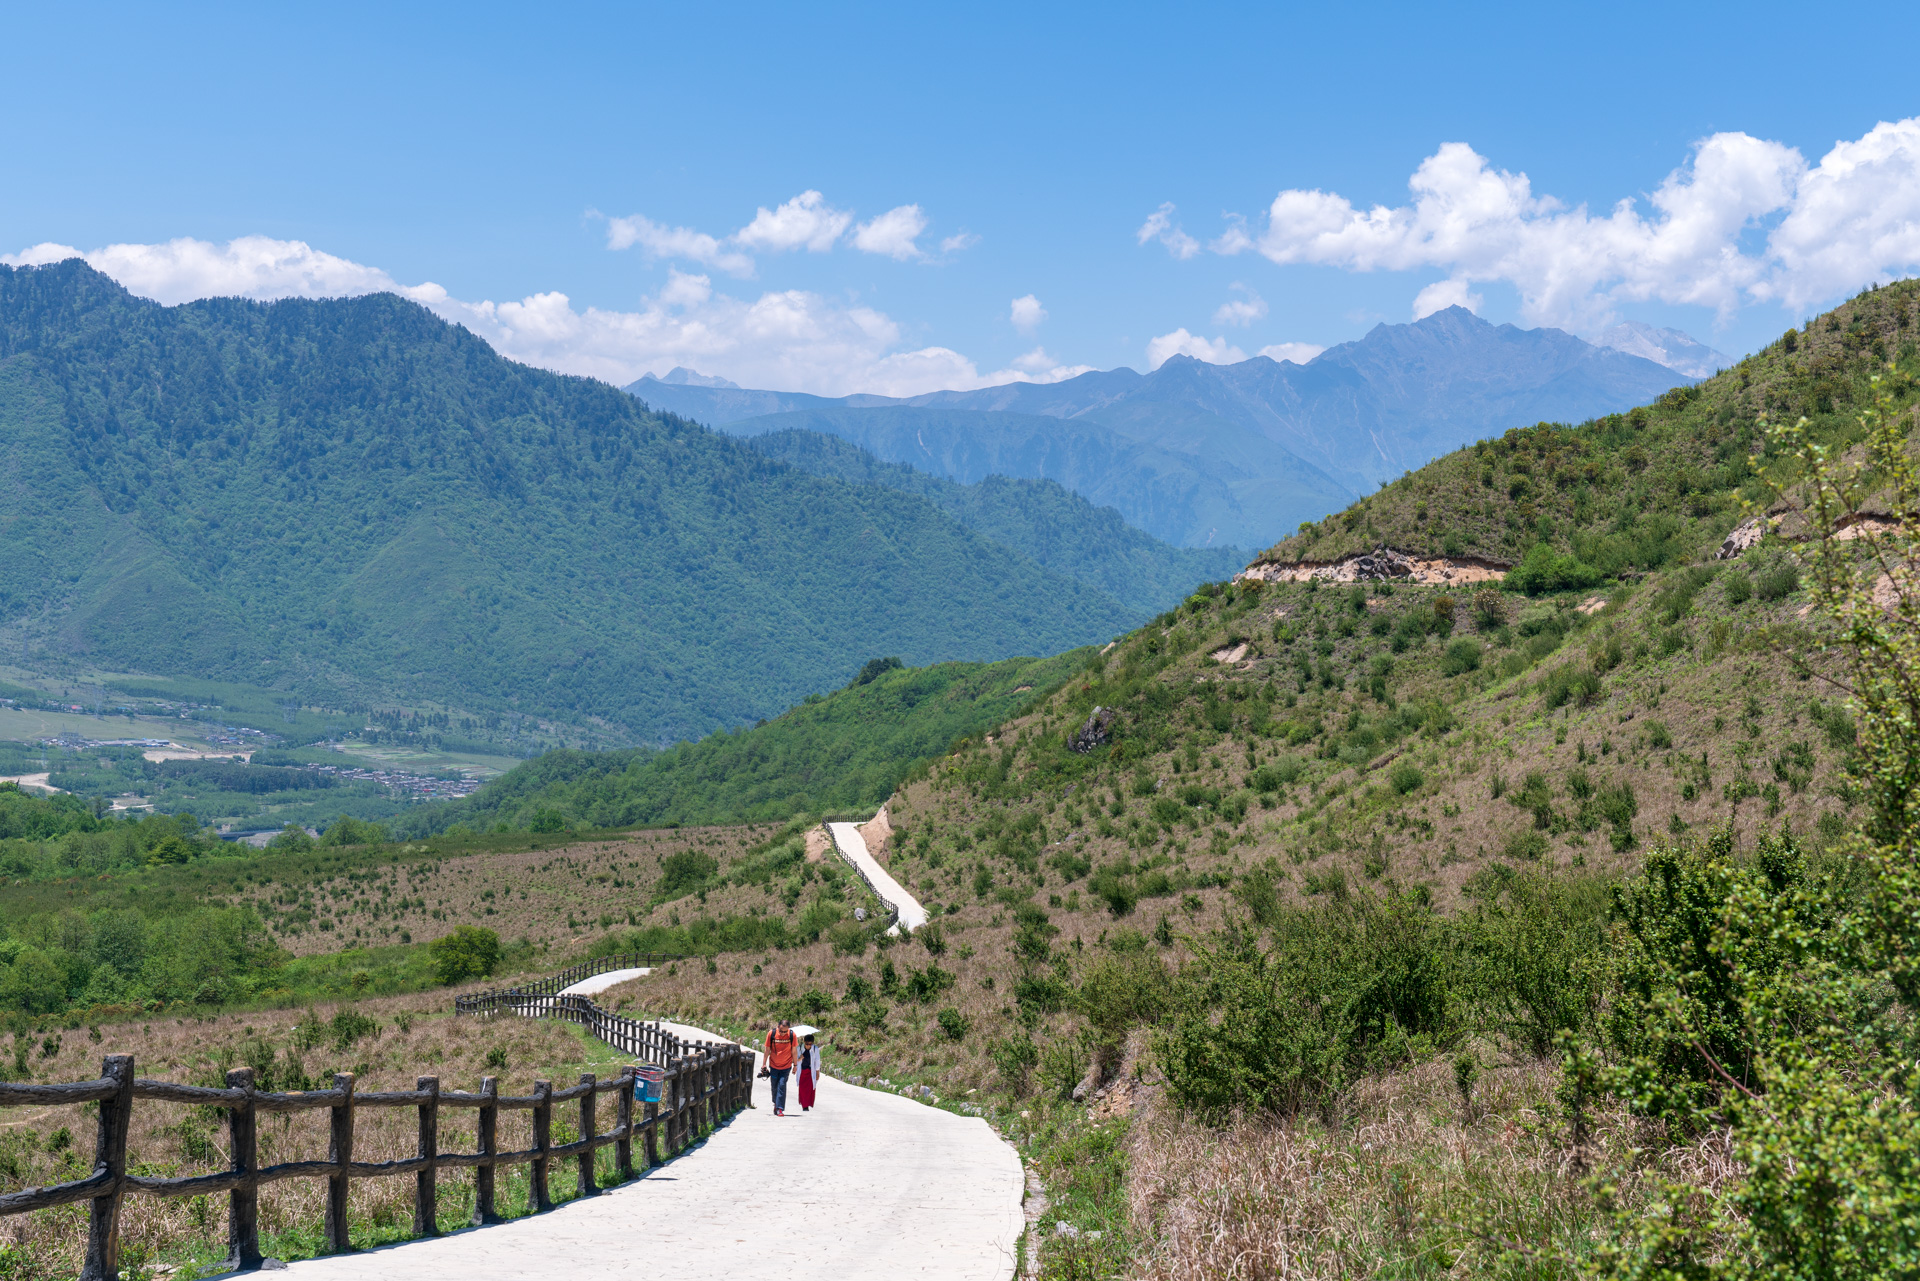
x=1199, y=454
x=356, y=503
x=1679, y=352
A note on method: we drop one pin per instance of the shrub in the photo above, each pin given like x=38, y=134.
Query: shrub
x=954, y=1023
x=1543, y=570
x=1462, y=656
x=684, y=873
x=1405, y=777
x=1779, y=581
x=1739, y=589
x=1014, y=1058
x=470, y=952
x=1489, y=608
x=1342, y=990
x=291, y=839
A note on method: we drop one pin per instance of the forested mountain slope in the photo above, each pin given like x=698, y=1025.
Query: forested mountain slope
x=1040, y=519
x=353, y=501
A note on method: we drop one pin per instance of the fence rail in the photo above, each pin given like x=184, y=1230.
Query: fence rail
x=702, y=1083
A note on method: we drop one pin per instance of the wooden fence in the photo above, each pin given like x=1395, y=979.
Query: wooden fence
x=702, y=1084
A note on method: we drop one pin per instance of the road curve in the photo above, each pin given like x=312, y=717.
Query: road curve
x=868, y=1186
x=909, y=915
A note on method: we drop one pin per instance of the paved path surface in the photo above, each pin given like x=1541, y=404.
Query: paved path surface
x=866, y=1187
x=853, y=848
x=601, y=982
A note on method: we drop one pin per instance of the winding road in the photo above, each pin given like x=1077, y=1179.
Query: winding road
x=908, y=914
x=868, y=1186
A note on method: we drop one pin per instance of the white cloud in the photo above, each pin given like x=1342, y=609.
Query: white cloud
x=1027, y=313
x=250, y=267
x=1298, y=352
x=805, y=222
x=957, y=241
x=1442, y=294
x=787, y=339
x=658, y=241
x=892, y=233
x=1744, y=220
x=1160, y=226
x=1241, y=311
x=1216, y=351
x=1039, y=367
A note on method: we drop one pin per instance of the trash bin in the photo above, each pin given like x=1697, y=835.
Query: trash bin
x=646, y=1083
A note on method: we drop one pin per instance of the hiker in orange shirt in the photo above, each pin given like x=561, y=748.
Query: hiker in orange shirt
x=780, y=1054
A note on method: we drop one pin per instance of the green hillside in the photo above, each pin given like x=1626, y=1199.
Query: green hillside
x=356, y=503
x=842, y=751
x=1040, y=519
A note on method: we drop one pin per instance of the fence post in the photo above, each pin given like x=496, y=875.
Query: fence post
x=109, y=1158
x=542, y=1141
x=623, y=1121
x=340, y=1155
x=243, y=1203
x=588, y=1131
x=483, y=1207
x=652, y=1149
x=426, y=1183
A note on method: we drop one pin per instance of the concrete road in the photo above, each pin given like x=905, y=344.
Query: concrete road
x=853, y=848
x=867, y=1186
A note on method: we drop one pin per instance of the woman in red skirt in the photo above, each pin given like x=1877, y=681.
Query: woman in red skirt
x=808, y=1070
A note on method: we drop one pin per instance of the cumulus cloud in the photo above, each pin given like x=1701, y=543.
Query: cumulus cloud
x=250, y=267
x=892, y=233
x=1160, y=226
x=1241, y=311
x=657, y=241
x=1442, y=294
x=1298, y=352
x=805, y=222
x=1027, y=313
x=1216, y=351
x=787, y=339
x=1743, y=220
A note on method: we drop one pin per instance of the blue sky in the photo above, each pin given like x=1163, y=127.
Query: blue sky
x=486, y=158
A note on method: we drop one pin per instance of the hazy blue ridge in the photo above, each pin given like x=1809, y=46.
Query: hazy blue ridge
x=1260, y=445
x=1040, y=519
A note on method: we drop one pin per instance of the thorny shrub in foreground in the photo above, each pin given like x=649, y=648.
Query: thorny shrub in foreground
x=1777, y=1004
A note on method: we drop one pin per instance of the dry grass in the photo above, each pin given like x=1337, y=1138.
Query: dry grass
x=557, y=897
x=416, y=1036
x=1398, y=1184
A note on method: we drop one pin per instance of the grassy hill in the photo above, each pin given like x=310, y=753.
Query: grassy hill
x=834, y=752
x=353, y=502
x=1634, y=491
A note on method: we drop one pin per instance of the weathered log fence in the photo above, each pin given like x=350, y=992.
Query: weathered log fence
x=703, y=1083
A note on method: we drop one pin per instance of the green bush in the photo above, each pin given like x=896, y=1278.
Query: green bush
x=954, y=1023
x=1544, y=570
x=470, y=952
x=1462, y=656
x=1405, y=777
x=1342, y=990
x=1014, y=1058
x=1779, y=581
x=1739, y=589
